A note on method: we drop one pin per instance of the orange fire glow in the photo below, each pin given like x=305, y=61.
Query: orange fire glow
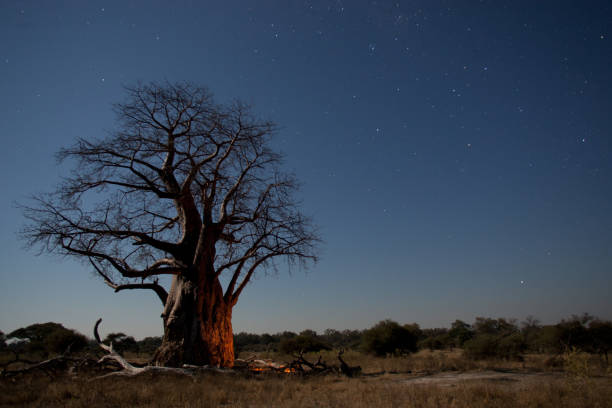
x=288, y=370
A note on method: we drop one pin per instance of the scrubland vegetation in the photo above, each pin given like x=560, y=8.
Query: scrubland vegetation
x=562, y=365
x=554, y=388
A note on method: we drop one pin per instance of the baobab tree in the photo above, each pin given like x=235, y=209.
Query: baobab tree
x=182, y=187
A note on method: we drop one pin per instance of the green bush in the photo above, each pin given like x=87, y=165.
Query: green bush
x=388, y=337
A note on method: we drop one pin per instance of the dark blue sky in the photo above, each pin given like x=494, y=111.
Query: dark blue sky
x=449, y=149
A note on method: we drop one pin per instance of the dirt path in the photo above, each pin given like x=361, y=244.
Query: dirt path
x=452, y=378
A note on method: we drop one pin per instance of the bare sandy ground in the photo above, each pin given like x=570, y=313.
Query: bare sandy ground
x=501, y=377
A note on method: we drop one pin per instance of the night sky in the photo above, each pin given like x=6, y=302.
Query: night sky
x=456, y=155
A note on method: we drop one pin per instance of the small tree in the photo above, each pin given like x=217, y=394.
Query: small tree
x=186, y=188
x=530, y=329
x=481, y=346
x=600, y=332
x=304, y=342
x=573, y=332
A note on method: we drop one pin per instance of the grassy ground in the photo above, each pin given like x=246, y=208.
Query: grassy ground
x=583, y=385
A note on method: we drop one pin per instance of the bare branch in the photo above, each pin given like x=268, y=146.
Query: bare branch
x=157, y=288
x=247, y=278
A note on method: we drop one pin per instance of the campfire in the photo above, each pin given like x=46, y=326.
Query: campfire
x=288, y=370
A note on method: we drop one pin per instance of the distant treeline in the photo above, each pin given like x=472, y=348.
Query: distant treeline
x=484, y=338
x=45, y=339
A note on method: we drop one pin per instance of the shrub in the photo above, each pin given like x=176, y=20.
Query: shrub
x=148, y=345
x=576, y=363
x=548, y=340
x=388, y=337
x=485, y=346
x=511, y=347
x=481, y=347
x=59, y=341
x=459, y=333
x=435, y=343
x=601, y=337
x=121, y=342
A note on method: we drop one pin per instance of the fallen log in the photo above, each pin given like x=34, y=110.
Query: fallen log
x=320, y=367
x=50, y=367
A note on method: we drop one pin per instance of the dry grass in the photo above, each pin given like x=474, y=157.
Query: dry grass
x=231, y=391
x=391, y=389
x=426, y=361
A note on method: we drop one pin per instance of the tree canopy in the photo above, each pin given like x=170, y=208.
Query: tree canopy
x=178, y=167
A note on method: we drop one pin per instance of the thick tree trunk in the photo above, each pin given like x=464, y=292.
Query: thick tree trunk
x=197, y=325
